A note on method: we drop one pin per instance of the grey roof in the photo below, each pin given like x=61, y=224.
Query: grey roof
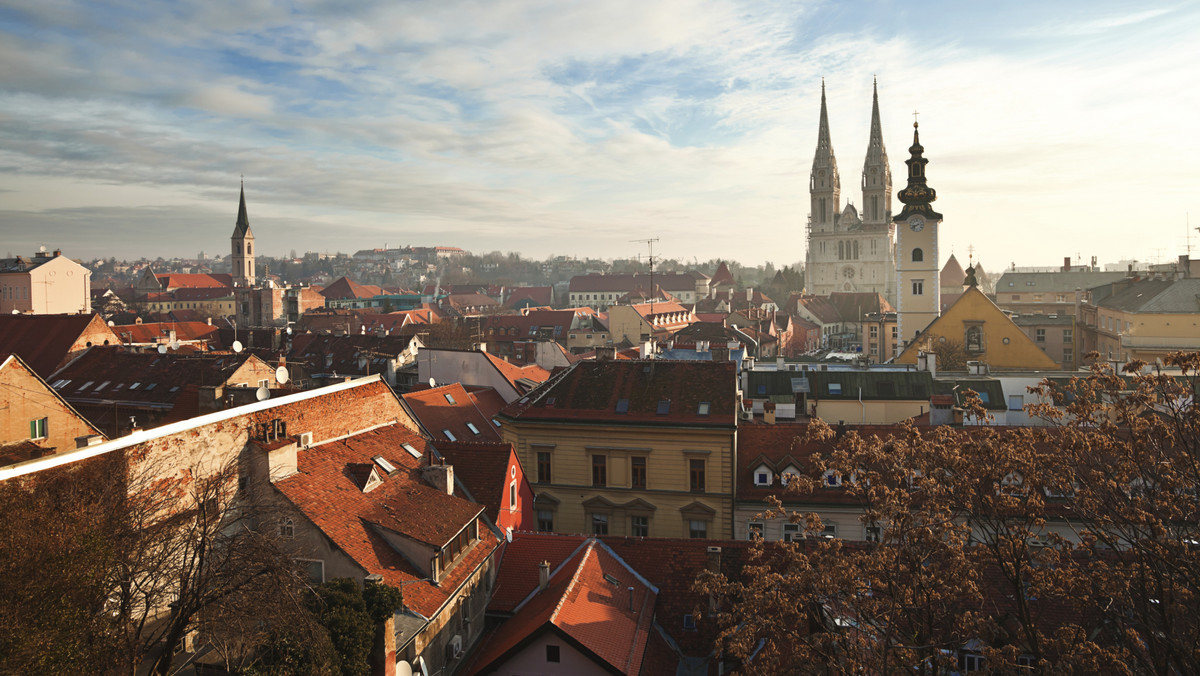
x=1043, y=282
x=990, y=391
x=895, y=385
x=1165, y=296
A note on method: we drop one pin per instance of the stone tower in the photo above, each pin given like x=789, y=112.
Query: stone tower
x=242, y=260
x=917, y=281
x=851, y=250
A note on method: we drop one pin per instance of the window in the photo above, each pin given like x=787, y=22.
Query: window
x=689, y=623
x=874, y=331
x=833, y=478
x=512, y=496
x=696, y=468
x=473, y=428
x=543, y=467
x=1016, y=402
x=552, y=654
x=316, y=571
x=545, y=520
x=1068, y=355
x=287, y=528
x=830, y=531
x=791, y=532
x=637, y=472
x=449, y=399
x=871, y=533
x=599, y=470
x=449, y=435
x=599, y=524
x=622, y=406
x=697, y=529
x=703, y=408
x=918, y=255
x=762, y=478
x=754, y=530
x=639, y=526
x=835, y=388
x=918, y=287
x=37, y=428
x=664, y=407
x=974, y=339
x=1039, y=335
x=1068, y=336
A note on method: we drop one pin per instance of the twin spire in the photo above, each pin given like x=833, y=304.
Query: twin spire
x=876, y=150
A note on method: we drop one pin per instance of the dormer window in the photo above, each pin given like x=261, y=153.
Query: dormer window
x=833, y=478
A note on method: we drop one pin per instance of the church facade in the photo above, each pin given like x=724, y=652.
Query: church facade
x=851, y=250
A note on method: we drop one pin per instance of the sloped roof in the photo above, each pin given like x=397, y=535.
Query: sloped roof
x=344, y=288
x=952, y=273
x=536, y=295
x=1051, y=282
x=482, y=466
x=596, y=599
x=722, y=277
x=176, y=280
x=1157, y=296
x=150, y=332
x=450, y=407
x=671, y=281
x=522, y=378
x=653, y=392
x=469, y=300
x=43, y=341
x=324, y=490
x=347, y=355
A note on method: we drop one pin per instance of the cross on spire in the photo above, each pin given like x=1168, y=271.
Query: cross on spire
x=915, y=114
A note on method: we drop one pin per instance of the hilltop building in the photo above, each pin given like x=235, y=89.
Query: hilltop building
x=849, y=251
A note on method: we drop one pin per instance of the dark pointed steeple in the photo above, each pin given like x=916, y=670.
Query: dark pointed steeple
x=877, y=173
x=875, y=146
x=242, y=228
x=917, y=196
x=824, y=141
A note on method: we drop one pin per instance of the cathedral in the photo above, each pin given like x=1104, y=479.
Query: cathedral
x=849, y=250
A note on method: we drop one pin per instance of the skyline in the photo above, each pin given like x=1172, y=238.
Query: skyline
x=574, y=129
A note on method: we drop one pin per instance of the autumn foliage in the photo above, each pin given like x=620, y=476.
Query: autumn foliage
x=1070, y=547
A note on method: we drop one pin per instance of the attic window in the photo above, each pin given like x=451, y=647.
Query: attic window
x=473, y=428
x=689, y=623
x=449, y=435
x=550, y=401
x=664, y=406
x=608, y=577
x=387, y=466
x=622, y=406
x=61, y=383
x=702, y=409
x=495, y=422
x=102, y=385
x=762, y=389
x=135, y=385
x=835, y=388
x=86, y=385
x=449, y=399
x=411, y=451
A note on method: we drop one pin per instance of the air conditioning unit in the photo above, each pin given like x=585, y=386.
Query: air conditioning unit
x=747, y=414
x=456, y=648
x=306, y=439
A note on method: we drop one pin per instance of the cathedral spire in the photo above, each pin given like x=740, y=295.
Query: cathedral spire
x=242, y=228
x=825, y=177
x=824, y=142
x=877, y=174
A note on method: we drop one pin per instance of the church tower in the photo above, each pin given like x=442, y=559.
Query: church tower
x=242, y=260
x=917, y=283
x=877, y=175
x=825, y=187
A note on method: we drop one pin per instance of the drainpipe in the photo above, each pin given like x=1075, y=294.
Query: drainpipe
x=861, y=404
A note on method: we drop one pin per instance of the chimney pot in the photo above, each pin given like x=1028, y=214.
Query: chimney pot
x=543, y=575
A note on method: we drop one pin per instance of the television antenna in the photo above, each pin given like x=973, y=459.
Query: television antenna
x=650, y=258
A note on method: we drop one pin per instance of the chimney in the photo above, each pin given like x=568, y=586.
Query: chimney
x=57, y=253
x=720, y=352
x=630, y=590
x=750, y=295
x=769, y=412
x=605, y=353
x=714, y=559
x=440, y=477
x=543, y=575
x=88, y=440
x=1066, y=264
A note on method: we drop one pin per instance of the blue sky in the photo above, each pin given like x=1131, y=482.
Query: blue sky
x=552, y=127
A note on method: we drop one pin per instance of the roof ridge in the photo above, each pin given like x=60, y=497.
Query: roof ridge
x=554, y=572
x=591, y=547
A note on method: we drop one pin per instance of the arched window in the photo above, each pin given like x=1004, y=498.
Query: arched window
x=249, y=248
x=841, y=250
x=918, y=255
x=855, y=249
x=237, y=248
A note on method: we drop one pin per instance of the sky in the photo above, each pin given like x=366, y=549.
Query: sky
x=556, y=127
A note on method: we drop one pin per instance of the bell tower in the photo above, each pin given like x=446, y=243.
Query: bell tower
x=917, y=291
x=242, y=245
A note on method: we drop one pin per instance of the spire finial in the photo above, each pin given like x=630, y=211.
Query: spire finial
x=915, y=114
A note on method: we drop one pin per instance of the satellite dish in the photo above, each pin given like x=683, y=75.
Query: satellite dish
x=110, y=323
x=403, y=668
x=432, y=382
x=237, y=346
x=162, y=349
x=289, y=330
x=281, y=375
x=174, y=344
x=16, y=312
x=262, y=394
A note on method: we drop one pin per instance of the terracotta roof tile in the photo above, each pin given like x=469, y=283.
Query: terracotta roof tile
x=43, y=342
x=483, y=469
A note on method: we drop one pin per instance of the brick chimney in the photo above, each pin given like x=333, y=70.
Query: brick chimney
x=543, y=575
x=440, y=477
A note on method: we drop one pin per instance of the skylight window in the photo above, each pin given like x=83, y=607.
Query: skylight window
x=86, y=385
x=382, y=462
x=151, y=386
x=762, y=389
x=135, y=385
x=473, y=428
x=664, y=407
x=102, y=385
x=622, y=406
x=703, y=408
x=61, y=383
x=449, y=435
x=495, y=422
x=835, y=388
x=611, y=579
x=411, y=451
x=449, y=399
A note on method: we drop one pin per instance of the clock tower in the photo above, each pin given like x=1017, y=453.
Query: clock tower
x=242, y=247
x=917, y=292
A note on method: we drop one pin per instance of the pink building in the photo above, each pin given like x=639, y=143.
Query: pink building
x=45, y=284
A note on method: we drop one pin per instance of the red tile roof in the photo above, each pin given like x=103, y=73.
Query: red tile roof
x=437, y=413
x=483, y=468
x=537, y=295
x=514, y=374
x=150, y=332
x=43, y=342
x=172, y=280
x=345, y=288
x=596, y=599
x=655, y=392
x=347, y=355
x=326, y=493
x=722, y=276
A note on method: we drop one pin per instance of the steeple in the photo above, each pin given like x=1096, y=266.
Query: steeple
x=824, y=183
x=242, y=227
x=877, y=174
x=917, y=196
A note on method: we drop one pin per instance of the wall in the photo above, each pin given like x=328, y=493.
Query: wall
x=57, y=286
x=531, y=660
x=468, y=368
x=24, y=397
x=877, y=412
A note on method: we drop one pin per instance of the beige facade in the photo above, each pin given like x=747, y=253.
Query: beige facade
x=45, y=284
x=33, y=412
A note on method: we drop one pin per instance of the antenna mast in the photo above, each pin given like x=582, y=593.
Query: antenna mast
x=650, y=243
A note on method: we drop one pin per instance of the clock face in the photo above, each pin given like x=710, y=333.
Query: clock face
x=916, y=223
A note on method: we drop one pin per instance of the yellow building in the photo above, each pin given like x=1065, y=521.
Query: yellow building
x=985, y=332
x=640, y=448
x=1148, y=319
